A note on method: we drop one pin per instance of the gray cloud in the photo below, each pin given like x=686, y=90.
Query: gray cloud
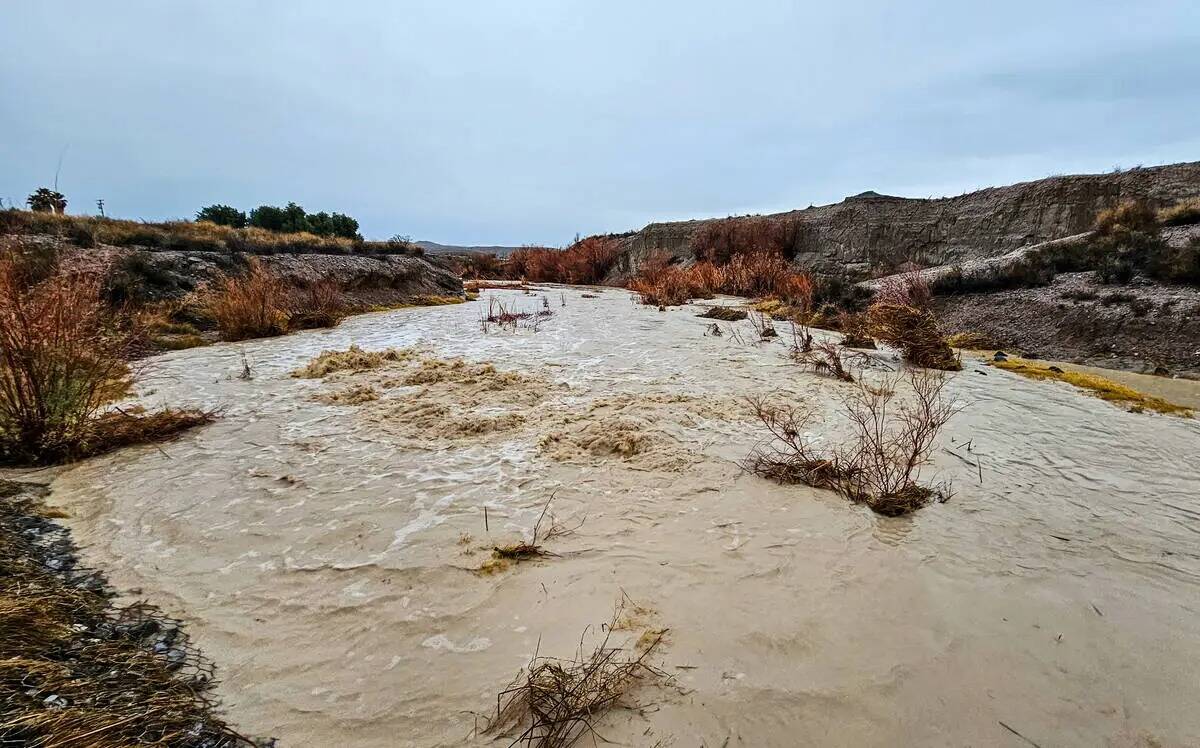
x=531, y=120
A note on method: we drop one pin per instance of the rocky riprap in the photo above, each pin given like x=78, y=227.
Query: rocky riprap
x=78, y=669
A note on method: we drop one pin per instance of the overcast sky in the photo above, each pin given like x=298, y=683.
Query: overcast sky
x=527, y=121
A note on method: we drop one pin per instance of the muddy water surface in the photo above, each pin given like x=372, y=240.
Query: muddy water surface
x=326, y=555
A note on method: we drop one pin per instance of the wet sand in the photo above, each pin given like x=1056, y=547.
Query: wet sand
x=326, y=554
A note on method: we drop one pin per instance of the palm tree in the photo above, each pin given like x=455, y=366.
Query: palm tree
x=45, y=200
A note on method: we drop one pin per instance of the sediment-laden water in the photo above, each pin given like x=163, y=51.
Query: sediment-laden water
x=327, y=555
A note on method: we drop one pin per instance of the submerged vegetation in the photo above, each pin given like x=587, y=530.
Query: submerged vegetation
x=554, y=702
x=880, y=463
x=1096, y=385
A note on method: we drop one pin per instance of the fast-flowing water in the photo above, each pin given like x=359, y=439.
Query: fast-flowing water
x=327, y=555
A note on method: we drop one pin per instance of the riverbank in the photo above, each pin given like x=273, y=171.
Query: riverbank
x=1037, y=598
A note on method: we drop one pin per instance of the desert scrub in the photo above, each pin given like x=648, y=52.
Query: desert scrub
x=1181, y=213
x=63, y=354
x=916, y=332
x=253, y=305
x=1098, y=386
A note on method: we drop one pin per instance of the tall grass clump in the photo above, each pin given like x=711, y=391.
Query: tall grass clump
x=253, y=305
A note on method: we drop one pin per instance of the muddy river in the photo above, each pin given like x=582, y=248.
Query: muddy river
x=323, y=541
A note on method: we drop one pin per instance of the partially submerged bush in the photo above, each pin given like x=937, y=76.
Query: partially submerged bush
x=825, y=358
x=880, y=464
x=724, y=313
x=555, y=702
x=855, y=329
x=319, y=305
x=661, y=283
x=915, y=332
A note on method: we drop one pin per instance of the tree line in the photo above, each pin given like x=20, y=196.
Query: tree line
x=289, y=219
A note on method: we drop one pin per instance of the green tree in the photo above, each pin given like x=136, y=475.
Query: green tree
x=333, y=224
x=268, y=217
x=222, y=215
x=46, y=200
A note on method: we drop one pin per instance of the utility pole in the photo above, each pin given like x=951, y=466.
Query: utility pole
x=100, y=205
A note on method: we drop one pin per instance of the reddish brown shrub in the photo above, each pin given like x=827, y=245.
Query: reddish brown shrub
x=62, y=356
x=721, y=241
x=585, y=262
x=909, y=288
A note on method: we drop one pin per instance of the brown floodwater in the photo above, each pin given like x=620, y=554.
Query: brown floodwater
x=325, y=554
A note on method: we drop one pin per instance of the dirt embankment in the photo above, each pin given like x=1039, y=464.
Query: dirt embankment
x=364, y=280
x=868, y=232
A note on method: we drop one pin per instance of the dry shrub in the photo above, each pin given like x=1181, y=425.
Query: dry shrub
x=321, y=304
x=554, y=702
x=824, y=358
x=478, y=265
x=916, y=332
x=1131, y=216
x=62, y=357
x=75, y=670
x=661, y=283
x=249, y=306
x=905, y=289
x=1181, y=213
x=880, y=465
x=587, y=261
x=721, y=240
x=764, y=329
x=499, y=313
x=855, y=330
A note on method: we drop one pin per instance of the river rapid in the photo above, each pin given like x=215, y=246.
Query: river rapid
x=326, y=554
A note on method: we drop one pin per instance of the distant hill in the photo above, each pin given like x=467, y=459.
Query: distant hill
x=452, y=249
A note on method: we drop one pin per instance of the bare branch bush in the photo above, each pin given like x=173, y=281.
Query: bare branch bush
x=546, y=528
x=829, y=359
x=880, y=464
x=554, y=702
x=764, y=328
